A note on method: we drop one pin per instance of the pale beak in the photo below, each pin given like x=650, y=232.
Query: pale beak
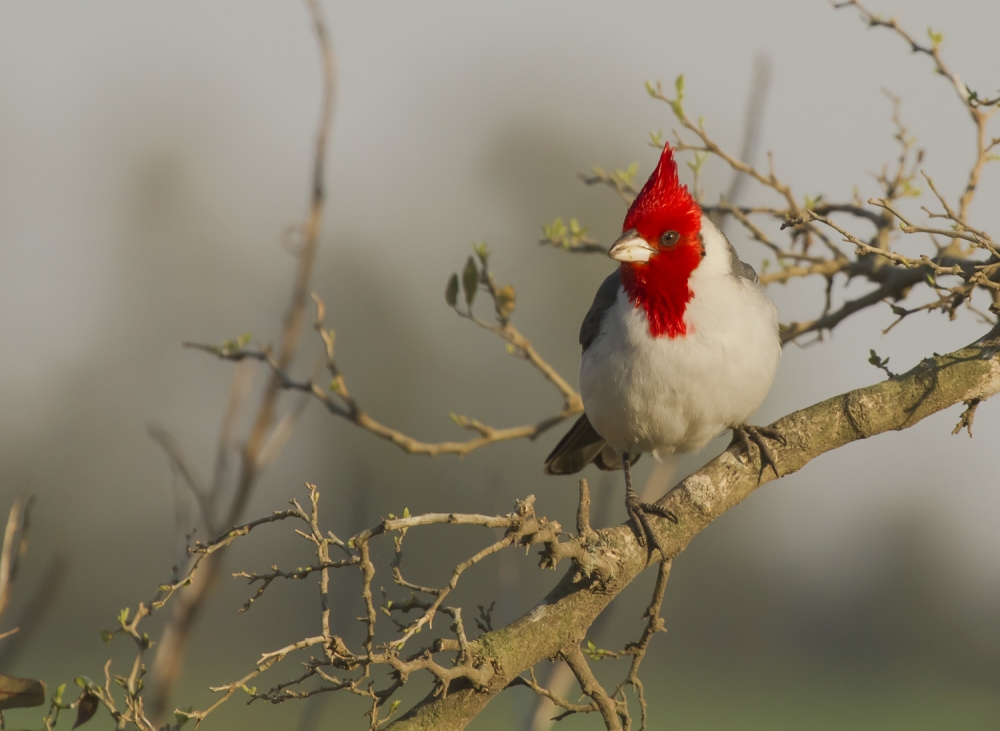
x=631, y=247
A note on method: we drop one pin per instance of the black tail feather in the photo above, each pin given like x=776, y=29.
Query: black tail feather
x=578, y=448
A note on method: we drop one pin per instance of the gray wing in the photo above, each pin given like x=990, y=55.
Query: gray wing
x=581, y=445
x=606, y=295
x=740, y=268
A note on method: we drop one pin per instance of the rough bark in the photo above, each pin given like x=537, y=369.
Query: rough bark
x=562, y=618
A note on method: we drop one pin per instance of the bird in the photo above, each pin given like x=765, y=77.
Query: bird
x=680, y=344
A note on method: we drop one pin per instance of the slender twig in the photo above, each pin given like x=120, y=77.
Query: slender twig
x=264, y=438
x=15, y=545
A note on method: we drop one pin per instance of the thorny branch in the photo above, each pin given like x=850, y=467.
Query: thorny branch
x=331, y=665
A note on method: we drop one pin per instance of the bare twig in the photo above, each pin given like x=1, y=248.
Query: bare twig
x=15, y=545
x=264, y=439
x=339, y=401
x=33, y=611
x=978, y=110
x=608, y=709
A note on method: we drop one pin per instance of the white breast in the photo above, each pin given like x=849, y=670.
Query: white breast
x=645, y=394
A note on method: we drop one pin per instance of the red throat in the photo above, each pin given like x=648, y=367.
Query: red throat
x=660, y=286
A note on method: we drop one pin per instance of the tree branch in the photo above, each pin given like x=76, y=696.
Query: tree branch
x=558, y=622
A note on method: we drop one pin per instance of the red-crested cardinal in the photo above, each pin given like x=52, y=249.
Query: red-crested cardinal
x=680, y=344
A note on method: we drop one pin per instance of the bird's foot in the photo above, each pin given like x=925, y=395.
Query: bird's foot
x=758, y=435
x=638, y=515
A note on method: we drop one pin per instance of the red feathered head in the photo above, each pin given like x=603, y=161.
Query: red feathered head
x=663, y=204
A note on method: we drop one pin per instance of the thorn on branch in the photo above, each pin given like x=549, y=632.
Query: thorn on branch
x=967, y=416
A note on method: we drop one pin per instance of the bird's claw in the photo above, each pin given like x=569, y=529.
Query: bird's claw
x=758, y=436
x=638, y=514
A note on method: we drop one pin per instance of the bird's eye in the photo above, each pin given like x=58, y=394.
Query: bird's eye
x=670, y=238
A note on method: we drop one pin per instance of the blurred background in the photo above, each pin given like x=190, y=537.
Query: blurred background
x=153, y=157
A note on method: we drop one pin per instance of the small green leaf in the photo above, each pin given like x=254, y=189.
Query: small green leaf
x=470, y=280
x=650, y=89
x=244, y=339
x=106, y=636
x=878, y=362
x=935, y=37
x=698, y=162
x=123, y=616
x=679, y=86
x=555, y=231
x=451, y=291
x=482, y=250
x=811, y=203
x=625, y=176
x=406, y=512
